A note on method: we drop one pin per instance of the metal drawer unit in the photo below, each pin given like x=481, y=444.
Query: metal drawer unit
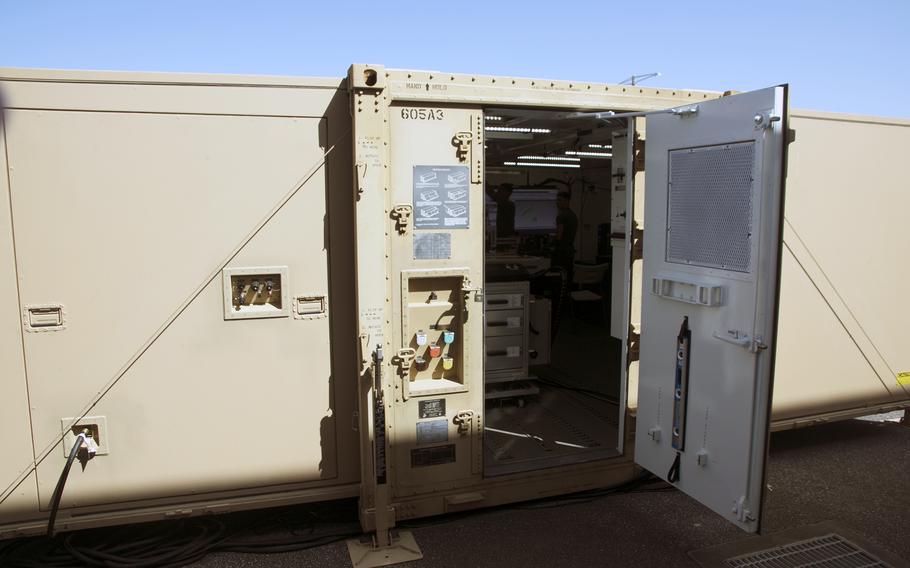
x=506, y=331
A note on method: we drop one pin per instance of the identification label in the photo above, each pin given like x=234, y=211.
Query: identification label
x=442, y=197
x=432, y=246
x=433, y=408
x=432, y=432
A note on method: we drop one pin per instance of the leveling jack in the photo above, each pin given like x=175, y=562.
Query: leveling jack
x=386, y=546
x=368, y=552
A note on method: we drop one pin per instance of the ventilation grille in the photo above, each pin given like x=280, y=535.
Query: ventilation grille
x=710, y=206
x=829, y=551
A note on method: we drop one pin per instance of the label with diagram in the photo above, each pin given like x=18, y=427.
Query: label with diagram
x=441, y=197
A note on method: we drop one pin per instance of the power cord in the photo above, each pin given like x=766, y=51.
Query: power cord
x=83, y=438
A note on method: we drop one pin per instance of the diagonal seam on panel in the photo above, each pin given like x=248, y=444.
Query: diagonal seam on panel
x=838, y=306
x=171, y=319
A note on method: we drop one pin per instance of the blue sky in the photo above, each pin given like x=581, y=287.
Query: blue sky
x=837, y=56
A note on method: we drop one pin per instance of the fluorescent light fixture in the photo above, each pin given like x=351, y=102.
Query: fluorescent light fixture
x=601, y=146
x=533, y=165
x=589, y=154
x=517, y=129
x=550, y=158
x=493, y=118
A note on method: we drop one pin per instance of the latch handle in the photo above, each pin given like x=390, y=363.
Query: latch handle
x=462, y=142
x=741, y=339
x=402, y=215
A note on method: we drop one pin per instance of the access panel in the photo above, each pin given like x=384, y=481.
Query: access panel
x=714, y=183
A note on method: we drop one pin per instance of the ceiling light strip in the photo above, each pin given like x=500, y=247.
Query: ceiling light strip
x=533, y=165
x=517, y=129
x=589, y=154
x=550, y=158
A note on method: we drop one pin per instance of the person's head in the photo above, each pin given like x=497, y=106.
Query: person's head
x=505, y=190
x=562, y=199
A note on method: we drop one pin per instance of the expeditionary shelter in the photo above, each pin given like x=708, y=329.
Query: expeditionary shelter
x=435, y=291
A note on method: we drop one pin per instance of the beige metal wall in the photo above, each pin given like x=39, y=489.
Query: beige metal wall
x=128, y=194
x=844, y=303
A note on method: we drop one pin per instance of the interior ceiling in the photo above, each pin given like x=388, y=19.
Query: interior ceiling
x=566, y=134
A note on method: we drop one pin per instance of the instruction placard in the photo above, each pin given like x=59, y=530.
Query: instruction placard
x=442, y=197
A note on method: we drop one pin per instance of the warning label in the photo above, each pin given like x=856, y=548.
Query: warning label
x=441, y=197
x=903, y=379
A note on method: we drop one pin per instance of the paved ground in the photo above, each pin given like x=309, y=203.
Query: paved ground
x=852, y=472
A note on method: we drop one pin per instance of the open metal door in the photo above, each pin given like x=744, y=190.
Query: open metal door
x=713, y=208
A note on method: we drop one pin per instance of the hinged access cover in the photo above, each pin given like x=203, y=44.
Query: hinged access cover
x=712, y=239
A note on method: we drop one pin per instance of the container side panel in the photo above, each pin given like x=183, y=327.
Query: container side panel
x=847, y=201
x=14, y=408
x=119, y=219
x=819, y=368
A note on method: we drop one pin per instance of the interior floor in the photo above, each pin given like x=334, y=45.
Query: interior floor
x=556, y=427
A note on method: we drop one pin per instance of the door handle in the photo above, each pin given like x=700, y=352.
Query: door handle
x=740, y=339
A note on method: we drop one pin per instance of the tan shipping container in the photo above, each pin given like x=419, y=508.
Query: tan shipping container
x=220, y=274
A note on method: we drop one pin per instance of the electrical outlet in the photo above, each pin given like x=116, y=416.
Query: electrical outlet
x=96, y=425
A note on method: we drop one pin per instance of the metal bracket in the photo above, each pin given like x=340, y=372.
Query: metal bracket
x=462, y=142
x=685, y=111
x=467, y=288
x=654, y=433
x=402, y=215
x=742, y=511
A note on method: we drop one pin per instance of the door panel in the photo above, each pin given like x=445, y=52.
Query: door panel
x=711, y=272
x=437, y=257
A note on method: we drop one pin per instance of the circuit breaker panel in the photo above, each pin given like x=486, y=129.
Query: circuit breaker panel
x=433, y=325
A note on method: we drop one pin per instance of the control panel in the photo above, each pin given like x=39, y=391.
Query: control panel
x=260, y=292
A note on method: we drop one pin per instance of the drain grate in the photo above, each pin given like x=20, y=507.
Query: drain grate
x=828, y=551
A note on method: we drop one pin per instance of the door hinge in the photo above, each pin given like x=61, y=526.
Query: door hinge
x=403, y=359
x=634, y=345
x=638, y=162
x=638, y=241
x=462, y=142
x=402, y=215
x=764, y=120
x=742, y=511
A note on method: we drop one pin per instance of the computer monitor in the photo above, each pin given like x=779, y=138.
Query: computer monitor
x=535, y=210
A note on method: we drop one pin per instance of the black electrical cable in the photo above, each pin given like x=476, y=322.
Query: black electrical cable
x=673, y=474
x=178, y=543
x=61, y=483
